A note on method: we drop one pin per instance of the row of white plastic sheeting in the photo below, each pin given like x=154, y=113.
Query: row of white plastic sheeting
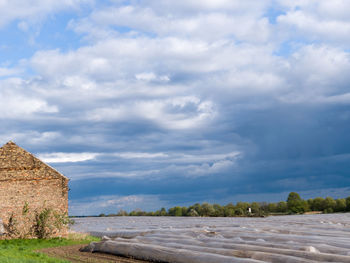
x=309, y=238
x=158, y=253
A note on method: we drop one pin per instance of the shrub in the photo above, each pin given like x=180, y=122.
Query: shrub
x=42, y=226
x=11, y=227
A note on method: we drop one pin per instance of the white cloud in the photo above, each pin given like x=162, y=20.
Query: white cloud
x=199, y=165
x=150, y=76
x=205, y=158
x=171, y=163
x=337, y=9
x=43, y=137
x=125, y=58
x=22, y=107
x=60, y=157
x=148, y=73
x=326, y=21
x=317, y=72
x=11, y=10
x=208, y=5
x=129, y=174
x=213, y=24
x=31, y=137
x=222, y=166
x=177, y=113
x=17, y=103
x=316, y=28
x=6, y=72
x=137, y=155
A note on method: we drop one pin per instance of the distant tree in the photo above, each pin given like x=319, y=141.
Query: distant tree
x=141, y=213
x=163, y=212
x=347, y=203
x=122, y=212
x=132, y=213
x=305, y=206
x=184, y=211
x=198, y=208
x=192, y=212
x=255, y=206
x=340, y=205
x=137, y=212
x=318, y=204
x=157, y=213
x=171, y=211
x=293, y=196
x=207, y=210
x=295, y=204
x=264, y=208
x=329, y=204
x=178, y=211
x=219, y=211
x=282, y=207
x=229, y=210
x=239, y=211
x=272, y=207
x=111, y=215
x=310, y=202
x=243, y=206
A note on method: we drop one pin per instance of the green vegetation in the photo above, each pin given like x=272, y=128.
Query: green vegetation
x=297, y=205
x=294, y=205
x=48, y=222
x=42, y=223
x=24, y=250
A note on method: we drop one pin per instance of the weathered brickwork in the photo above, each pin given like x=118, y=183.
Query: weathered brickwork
x=26, y=179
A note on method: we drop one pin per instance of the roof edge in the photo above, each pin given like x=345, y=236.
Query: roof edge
x=33, y=155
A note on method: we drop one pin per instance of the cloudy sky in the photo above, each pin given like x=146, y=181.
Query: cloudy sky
x=149, y=104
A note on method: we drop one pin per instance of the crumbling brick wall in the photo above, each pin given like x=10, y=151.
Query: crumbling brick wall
x=26, y=179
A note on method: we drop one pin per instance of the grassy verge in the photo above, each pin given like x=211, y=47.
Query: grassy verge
x=23, y=250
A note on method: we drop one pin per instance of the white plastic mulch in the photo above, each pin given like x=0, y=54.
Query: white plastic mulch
x=303, y=238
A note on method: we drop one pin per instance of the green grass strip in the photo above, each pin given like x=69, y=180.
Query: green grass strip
x=23, y=250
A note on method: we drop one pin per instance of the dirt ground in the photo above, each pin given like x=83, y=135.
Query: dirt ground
x=72, y=253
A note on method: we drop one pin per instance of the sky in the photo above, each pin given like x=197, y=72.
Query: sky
x=149, y=104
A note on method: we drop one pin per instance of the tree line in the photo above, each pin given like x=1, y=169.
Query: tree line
x=293, y=205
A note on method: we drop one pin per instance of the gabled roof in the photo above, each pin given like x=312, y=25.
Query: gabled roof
x=14, y=158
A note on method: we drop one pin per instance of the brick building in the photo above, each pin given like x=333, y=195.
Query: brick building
x=26, y=179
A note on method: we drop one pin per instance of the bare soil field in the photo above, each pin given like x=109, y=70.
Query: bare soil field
x=72, y=253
